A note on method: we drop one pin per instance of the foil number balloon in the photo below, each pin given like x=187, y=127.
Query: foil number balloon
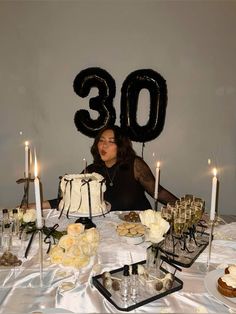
x=103, y=103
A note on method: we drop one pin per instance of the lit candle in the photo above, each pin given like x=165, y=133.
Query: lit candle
x=37, y=194
x=213, y=195
x=85, y=165
x=157, y=180
x=26, y=159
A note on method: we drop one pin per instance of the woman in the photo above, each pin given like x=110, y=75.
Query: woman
x=127, y=176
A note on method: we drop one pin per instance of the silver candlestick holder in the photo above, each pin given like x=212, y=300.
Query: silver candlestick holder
x=212, y=223
x=155, y=204
x=206, y=267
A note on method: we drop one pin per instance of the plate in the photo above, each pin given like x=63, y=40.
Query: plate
x=133, y=240
x=78, y=214
x=210, y=282
x=122, y=217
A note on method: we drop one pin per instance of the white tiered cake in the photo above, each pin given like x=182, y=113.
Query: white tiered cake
x=80, y=191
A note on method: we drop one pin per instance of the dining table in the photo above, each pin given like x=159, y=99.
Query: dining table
x=39, y=286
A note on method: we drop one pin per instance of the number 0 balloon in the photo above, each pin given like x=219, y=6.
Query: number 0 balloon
x=133, y=84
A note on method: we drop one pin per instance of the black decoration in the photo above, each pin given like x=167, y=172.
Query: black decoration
x=103, y=103
x=133, y=84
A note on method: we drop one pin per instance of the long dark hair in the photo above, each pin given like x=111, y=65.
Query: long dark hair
x=125, y=151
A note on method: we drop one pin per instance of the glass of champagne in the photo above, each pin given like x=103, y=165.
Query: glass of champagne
x=179, y=226
x=167, y=214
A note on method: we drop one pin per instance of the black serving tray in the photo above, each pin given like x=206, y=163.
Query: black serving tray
x=145, y=296
x=185, y=259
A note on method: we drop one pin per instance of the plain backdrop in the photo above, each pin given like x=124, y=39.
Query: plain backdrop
x=45, y=44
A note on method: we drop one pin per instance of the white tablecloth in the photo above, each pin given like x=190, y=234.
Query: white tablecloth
x=20, y=291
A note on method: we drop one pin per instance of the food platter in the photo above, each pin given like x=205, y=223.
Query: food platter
x=105, y=210
x=210, y=282
x=145, y=295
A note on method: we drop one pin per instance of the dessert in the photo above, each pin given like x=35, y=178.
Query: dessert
x=109, y=282
x=9, y=259
x=132, y=216
x=130, y=229
x=227, y=282
x=75, y=249
x=79, y=191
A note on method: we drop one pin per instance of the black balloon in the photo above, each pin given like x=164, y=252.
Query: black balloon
x=133, y=84
x=103, y=103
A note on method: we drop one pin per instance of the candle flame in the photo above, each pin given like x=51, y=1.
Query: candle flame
x=158, y=164
x=209, y=161
x=26, y=143
x=35, y=165
x=214, y=172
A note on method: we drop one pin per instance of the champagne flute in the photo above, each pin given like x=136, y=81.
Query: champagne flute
x=167, y=214
x=179, y=225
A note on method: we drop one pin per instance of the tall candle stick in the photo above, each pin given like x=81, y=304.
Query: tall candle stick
x=26, y=159
x=213, y=195
x=157, y=180
x=37, y=194
x=85, y=166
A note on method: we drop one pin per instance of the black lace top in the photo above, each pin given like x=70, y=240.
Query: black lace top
x=126, y=185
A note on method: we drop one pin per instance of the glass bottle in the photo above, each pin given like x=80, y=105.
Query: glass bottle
x=134, y=283
x=5, y=218
x=125, y=284
x=7, y=237
x=6, y=231
x=15, y=222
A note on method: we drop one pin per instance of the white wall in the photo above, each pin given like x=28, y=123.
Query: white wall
x=45, y=44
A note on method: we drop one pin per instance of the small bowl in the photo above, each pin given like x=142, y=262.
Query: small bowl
x=133, y=240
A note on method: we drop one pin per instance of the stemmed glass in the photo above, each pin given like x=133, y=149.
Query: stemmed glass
x=190, y=229
x=167, y=214
x=179, y=226
x=72, y=282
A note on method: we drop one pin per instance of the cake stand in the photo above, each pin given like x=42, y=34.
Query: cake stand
x=86, y=219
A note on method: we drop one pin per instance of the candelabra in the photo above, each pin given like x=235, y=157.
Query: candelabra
x=25, y=199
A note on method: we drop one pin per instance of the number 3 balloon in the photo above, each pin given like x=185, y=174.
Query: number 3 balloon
x=103, y=103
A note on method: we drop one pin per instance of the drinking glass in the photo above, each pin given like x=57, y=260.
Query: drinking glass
x=188, y=198
x=179, y=226
x=167, y=214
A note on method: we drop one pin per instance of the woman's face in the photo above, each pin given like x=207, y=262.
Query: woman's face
x=107, y=148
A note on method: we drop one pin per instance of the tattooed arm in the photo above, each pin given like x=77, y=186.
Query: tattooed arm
x=144, y=175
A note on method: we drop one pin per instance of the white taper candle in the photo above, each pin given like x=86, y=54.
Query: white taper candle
x=37, y=194
x=26, y=159
x=157, y=180
x=213, y=195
